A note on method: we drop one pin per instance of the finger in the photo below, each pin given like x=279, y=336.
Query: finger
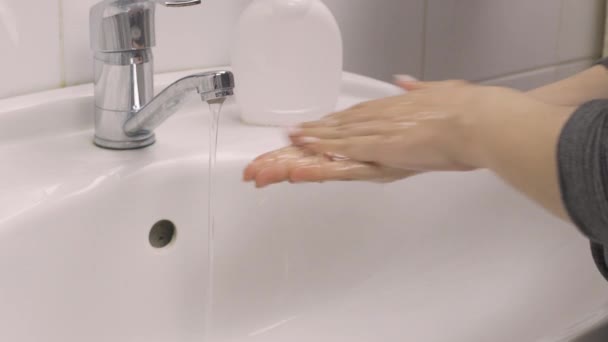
x=250, y=172
x=281, y=156
x=377, y=110
x=349, y=130
x=277, y=154
x=254, y=167
x=369, y=111
x=334, y=119
x=331, y=120
x=362, y=148
x=346, y=171
x=350, y=117
x=320, y=132
x=272, y=174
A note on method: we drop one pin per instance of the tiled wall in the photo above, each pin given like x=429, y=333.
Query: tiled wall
x=520, y=43
x=44, y=44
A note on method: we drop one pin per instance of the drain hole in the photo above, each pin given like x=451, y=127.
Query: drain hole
x=162, y=234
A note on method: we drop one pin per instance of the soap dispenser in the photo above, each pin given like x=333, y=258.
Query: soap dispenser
x=287, y=57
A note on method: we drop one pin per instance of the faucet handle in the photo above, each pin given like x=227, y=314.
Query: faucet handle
x=127, y=25
x=178, y=3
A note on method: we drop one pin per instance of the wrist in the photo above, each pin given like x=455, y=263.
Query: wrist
x=483, y=126
x=528, y=128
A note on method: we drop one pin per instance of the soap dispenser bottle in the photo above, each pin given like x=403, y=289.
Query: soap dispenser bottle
x=287, y=59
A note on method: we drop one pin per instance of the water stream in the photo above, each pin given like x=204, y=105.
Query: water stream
x=215, y=107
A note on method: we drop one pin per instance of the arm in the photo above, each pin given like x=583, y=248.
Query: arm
x=442, y=126
x=453, y=126
x=581, y=152
x=576, y=90
x=553, y=154
x=521, y=148
x=556, y=155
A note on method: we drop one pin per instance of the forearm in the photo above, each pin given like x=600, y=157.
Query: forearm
x=521, y=147
x=559, y=159
x=576, y=90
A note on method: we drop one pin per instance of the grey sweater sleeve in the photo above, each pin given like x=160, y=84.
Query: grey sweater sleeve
x=583, y=172
x=583, y=169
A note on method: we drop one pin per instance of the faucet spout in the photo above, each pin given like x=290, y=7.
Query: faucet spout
x=210, y=86
x=126, y=110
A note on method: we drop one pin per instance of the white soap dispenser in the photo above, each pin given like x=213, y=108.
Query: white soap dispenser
x=287, y=60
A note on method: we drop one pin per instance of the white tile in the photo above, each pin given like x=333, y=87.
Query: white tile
x=569, y=69
x=199, y=36
x=189, y=37
x=381, y=37
x=30, y=54
x=582, y=29
x=526, y=80
x=481, y=39
x=77, y=54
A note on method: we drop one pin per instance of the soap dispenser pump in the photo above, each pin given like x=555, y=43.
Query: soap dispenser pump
x=287, y=57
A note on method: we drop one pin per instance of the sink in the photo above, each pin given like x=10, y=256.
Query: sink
x=439, y=257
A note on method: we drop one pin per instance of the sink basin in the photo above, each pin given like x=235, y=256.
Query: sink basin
x=440, y=257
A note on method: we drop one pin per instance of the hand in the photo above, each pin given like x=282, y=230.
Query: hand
x=435, y=127
x=445, y=126
x=295, y=164
x=383, y=140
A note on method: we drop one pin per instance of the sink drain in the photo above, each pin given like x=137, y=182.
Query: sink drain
x=162, y=234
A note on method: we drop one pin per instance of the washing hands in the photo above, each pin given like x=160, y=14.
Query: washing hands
x=298, y=164
x=436, y=126
x=383, y=140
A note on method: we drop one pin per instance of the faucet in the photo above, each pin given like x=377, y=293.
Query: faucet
x=126, y=110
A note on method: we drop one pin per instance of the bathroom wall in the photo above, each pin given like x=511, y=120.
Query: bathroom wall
x=520, y=43
x=44, y=44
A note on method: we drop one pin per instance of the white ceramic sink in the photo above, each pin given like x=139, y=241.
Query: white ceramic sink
x=441, y=257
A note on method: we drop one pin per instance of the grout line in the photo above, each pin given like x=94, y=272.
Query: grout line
x=423, y=53
x=62, y=66
x=558, y=41
x=604, y=35
x=538, y=68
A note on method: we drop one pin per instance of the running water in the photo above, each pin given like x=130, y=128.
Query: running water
x=215, y=107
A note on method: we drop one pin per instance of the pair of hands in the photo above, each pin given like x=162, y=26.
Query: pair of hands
x=436, y=126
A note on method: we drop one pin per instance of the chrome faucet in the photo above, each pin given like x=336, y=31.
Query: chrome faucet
x=126, y=110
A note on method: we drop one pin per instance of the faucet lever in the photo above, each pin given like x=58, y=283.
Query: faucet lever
x=178, y=3
x=126, y=110
x=127, y=25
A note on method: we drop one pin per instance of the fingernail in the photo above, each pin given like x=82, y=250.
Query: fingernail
x=260, y=185
x=405, y=78
x=308, y=140
x=335, y=156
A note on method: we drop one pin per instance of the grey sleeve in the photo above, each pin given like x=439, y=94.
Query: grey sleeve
x=583, y=175
x=582, y=164
x=583, y=169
